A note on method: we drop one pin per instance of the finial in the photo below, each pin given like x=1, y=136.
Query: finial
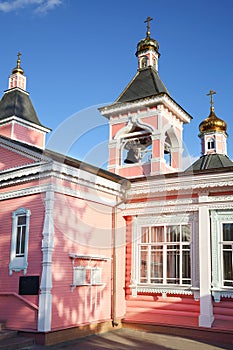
x=18, y=69
x=18, y=60
x=211, y=93
x=148, y=20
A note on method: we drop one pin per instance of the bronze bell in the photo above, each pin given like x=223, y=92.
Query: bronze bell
x=132, y=156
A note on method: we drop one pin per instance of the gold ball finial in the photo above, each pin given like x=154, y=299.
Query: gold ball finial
x=18, y=68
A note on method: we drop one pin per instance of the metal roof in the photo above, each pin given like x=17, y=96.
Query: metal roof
x=145, y=83
x=210, y=161
x=16, y=102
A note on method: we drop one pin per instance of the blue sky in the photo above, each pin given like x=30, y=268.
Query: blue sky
x=81, y=54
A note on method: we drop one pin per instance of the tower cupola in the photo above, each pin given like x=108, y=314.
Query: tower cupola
x=213, y=131
x=17, y=78
x=148, y=50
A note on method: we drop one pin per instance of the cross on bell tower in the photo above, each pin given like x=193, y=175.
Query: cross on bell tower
x=211, y=93
x=148, y=20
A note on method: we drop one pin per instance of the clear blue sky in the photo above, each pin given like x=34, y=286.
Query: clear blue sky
x=79, y=54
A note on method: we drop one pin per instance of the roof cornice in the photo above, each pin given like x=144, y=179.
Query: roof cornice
x=163, y=98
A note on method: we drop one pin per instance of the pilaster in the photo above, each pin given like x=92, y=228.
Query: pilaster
x=45, y=298
x=206, y=316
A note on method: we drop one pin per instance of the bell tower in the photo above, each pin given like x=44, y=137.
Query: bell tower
x=145, y=123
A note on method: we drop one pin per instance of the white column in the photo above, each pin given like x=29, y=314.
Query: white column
x=45, y=298
x=206, y=316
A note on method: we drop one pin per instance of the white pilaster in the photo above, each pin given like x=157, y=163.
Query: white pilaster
x=45, y=298
x=206, y=316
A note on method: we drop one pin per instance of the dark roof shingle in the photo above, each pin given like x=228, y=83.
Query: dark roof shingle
x=17, y=103
x=210, y=161
x=145, y=83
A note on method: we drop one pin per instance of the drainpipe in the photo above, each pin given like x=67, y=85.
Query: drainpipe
x=125, y=185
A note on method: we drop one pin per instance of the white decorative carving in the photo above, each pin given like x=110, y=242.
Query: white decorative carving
x=45, y=297
x=162, y=290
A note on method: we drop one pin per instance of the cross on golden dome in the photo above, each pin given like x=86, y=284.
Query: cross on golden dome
x=211, y=93
x=148, y=20
x=18, y=69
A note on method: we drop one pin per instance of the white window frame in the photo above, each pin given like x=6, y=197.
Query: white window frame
x=218, y=218
x=164, y=247
x=184, y=289
x=222, y=243
x=211, y=143
x=19, y=262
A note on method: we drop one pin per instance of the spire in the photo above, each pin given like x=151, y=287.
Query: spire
x=17, y=78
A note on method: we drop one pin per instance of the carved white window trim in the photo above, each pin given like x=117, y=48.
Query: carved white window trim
x=218, y=218
x=86, y=275
x=164, y=289
x=19, y=263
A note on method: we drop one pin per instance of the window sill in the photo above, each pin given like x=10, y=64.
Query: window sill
x=224, y=292
x=73, y=286
x=164, y=289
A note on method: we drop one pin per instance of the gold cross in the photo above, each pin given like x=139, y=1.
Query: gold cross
x=18, y=60
x=211, y=93
x=148, y=20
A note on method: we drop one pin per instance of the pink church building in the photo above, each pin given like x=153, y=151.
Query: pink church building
x=144, y=244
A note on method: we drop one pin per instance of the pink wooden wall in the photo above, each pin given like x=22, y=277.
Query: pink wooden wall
x=21, y=311
x=83, y=227
x=10, y=159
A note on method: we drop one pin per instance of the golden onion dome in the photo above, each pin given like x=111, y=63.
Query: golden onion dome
x=18, y=69
x=147, y=44
x=212, y=123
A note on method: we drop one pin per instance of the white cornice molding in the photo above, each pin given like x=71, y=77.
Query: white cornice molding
x=63, y=172
x=25, y=122
x=182, y=183
x=113, y=109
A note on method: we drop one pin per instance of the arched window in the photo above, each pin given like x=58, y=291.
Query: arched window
x=144, y=62
x=167, y=150
x=211, y=143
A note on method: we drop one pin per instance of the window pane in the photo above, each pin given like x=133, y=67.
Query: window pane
x=173, y=264
x=22, y=248
x=157, y=234
x=186, y=233
x=145, y=235
x=173, y=233
x=18, y=240
x=228, y=232
x=22, y=220
x=227, y=266
x=157, y=265
x=143, y=267
x=186, y=267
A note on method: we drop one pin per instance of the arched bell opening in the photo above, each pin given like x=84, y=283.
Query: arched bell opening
x=136, y=146
x=171, y=146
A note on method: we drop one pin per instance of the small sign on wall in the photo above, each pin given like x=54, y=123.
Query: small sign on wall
x=29, y=285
